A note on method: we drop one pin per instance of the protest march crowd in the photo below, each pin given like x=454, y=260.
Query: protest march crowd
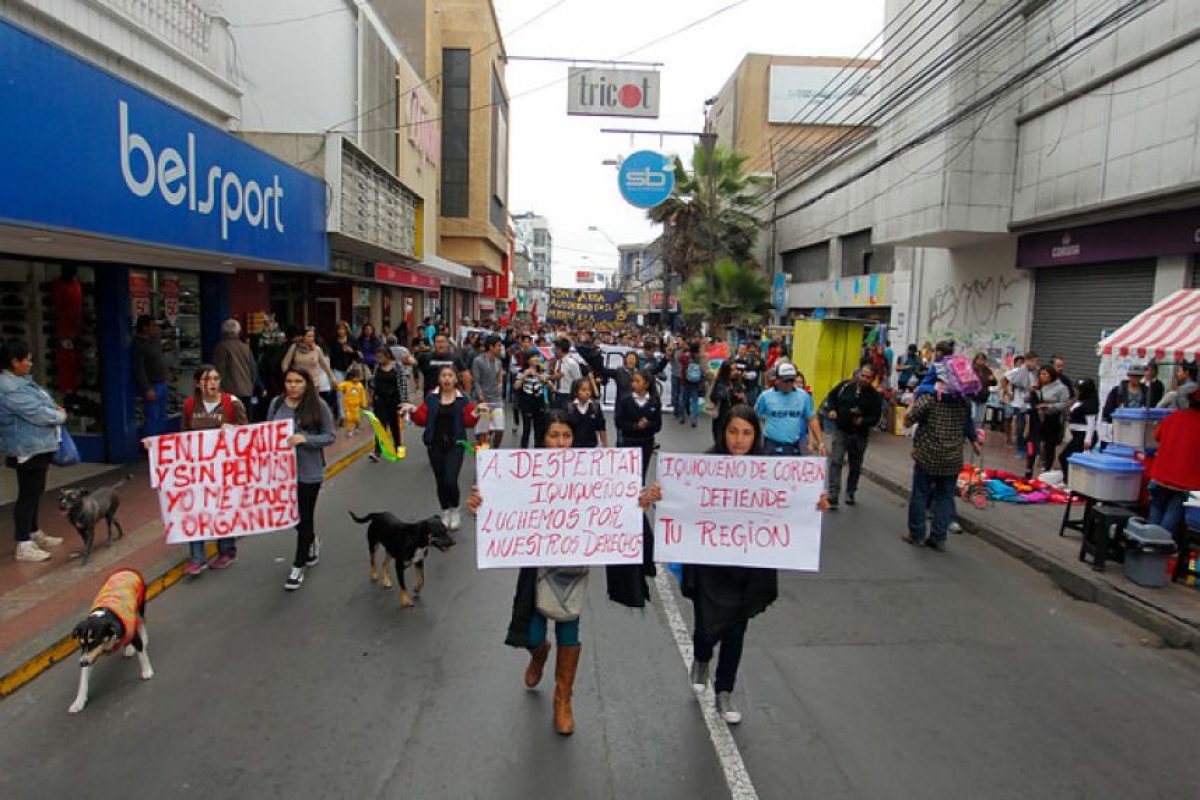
x=725, y=520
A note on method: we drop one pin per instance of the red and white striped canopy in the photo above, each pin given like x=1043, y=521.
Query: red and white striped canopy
x=1168, y=330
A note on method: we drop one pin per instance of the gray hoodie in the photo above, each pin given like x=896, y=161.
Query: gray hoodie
x=310, y=456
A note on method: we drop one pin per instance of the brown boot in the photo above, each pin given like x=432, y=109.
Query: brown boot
x=537, y=661
x=564, y=681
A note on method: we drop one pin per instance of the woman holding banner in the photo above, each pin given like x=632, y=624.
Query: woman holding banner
x=724, y=598
x=206, y=409
x=447, y=415
x=313, y=432
x=557, y=593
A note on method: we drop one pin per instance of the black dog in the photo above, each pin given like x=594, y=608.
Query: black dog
x=407, y=543
x=85, y=508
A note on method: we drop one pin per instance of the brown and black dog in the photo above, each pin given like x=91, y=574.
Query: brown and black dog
x=407, y=543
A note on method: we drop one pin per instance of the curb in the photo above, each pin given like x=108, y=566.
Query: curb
x=63, y=648
x=1173, y=631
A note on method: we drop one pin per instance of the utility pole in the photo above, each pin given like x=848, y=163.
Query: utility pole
x=709, y=141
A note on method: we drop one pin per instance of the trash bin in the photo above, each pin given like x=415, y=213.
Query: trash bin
x=1147, y=548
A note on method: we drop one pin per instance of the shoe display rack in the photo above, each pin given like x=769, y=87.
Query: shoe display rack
x=27, y=312
x=181, y=338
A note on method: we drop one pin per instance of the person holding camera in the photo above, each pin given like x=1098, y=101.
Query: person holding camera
x=854, y=407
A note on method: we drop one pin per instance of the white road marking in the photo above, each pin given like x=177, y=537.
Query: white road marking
x=736, y=776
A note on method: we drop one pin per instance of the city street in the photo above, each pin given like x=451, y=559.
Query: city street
x=894, y=672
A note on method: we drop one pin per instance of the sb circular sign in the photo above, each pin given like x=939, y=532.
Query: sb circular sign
x=646, y=178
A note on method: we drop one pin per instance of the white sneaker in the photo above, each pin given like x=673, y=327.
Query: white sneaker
x=445, y=515
x=455, y=519
x=727, y=709
x=44, y=540
x=29, y=551
x=294, y=579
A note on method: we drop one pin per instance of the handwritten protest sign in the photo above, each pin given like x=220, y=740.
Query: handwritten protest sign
x=231, y=481
x=546, y=508
x=748, y=511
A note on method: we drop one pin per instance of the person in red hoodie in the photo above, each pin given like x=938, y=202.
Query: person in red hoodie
x=1176, y=470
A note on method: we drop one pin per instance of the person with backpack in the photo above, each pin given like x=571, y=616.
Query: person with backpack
x=566, y=370
x=854, y=406
x=694, y=377
x=209, y=408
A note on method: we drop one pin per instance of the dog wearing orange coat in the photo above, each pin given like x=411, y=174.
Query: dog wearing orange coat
x=117, y=621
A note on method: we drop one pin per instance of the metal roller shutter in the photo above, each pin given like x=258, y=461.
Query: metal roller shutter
x=1196, y=273
x=1072, y=305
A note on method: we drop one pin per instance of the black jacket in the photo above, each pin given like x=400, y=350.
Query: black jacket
x=628, y=414
x=1119, y=397
x=627, y=586
x=852, y=402
x=724, y=596
x=586, y=426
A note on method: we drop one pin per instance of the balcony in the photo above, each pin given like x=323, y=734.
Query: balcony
x=182, y=23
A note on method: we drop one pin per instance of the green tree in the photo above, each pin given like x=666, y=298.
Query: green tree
x=740, y=293
x=708, y=218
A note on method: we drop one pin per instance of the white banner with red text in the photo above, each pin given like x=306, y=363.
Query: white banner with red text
x=558, y=508
x=231, y=481
x=745, y=511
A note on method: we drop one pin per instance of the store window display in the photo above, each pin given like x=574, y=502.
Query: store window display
x=52, y=307
x=173, y=300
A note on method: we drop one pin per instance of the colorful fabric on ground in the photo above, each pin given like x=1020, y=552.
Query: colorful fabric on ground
x=1007, y=487
x=387, y=448
x=124, y=594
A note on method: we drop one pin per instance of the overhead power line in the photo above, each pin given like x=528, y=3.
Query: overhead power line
x=1115, y=19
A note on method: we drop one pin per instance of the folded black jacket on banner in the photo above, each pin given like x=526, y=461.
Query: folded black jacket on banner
x=627, y=585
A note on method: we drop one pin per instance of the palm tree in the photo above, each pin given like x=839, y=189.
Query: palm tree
x=739, y=293
x=708, y=216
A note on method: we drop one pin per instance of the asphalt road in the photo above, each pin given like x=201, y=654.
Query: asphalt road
x=894, y=672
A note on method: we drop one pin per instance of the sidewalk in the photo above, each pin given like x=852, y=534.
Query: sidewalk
x=40, y=603
x=1030, y=533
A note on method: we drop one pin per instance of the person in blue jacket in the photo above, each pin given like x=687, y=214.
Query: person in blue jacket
x=30, y=423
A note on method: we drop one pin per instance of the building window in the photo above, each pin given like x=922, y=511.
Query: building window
x=862, y=257
x=456, y=132
x=807, y=264
x=499, y=193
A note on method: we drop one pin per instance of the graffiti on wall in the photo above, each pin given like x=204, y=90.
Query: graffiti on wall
x=977, y=316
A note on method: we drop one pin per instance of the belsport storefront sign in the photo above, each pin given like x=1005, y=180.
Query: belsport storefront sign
x=85, y=151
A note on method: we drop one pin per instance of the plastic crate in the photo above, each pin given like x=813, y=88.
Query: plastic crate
x=1105, y=477
x=1134, y=427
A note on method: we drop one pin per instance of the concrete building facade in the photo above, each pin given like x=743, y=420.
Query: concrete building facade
x=1040, y=189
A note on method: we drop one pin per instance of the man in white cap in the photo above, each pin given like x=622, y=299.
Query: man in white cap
x=788, y=416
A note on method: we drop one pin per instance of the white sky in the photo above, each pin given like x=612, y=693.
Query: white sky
x=555, y=166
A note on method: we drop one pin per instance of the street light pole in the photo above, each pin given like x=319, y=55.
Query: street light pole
x=709, y=140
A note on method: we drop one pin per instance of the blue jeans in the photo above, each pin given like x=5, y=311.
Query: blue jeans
x=689, y=397
x=155, y=411
x=565, y=633
x=936, y=491
x=676, y=397
x=226, y=546
x=1020, y=421
x=1166, y=507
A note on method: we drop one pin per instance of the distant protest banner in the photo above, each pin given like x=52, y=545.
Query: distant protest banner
x=587, y=309
x=557, y=508
x=232, y=481
x=746, y=511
